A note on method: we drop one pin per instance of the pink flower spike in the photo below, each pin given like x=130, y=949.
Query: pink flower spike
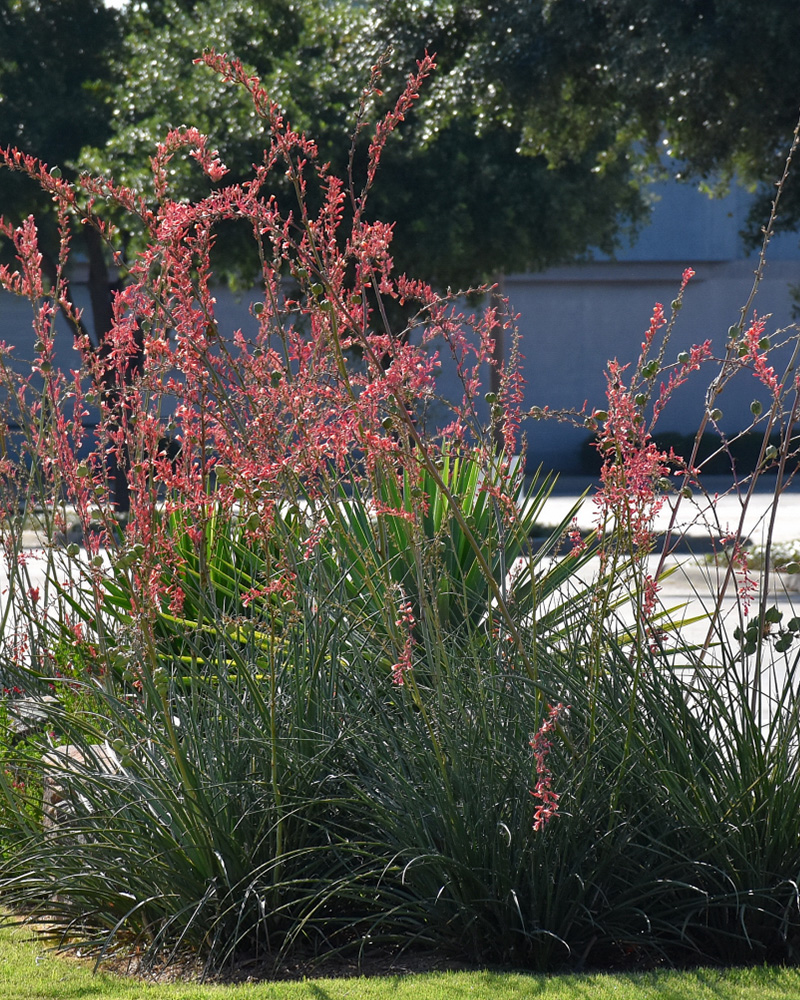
x=541, y=746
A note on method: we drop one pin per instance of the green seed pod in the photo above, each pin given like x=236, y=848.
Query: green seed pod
x=715, y=414
x=756, y=408
x=764, y=343
x=683, y=358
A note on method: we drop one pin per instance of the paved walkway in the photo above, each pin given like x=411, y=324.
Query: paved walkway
x=692, y=590
x=719, y=511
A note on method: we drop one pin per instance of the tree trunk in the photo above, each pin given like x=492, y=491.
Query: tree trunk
x=100, y=288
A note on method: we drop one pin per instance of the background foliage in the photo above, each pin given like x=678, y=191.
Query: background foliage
x=529, y=149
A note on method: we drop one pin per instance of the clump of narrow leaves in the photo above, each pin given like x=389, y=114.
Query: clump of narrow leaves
x=332, y=694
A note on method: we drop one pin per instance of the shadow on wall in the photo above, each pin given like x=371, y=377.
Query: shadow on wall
x=740, y=455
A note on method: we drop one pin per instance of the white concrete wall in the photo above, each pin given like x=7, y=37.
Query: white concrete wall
x=574, y=320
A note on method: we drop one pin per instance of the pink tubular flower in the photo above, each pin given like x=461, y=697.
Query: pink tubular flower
x=747, y=584
x=576, y=539
x=698, y=354
x=649, y=595
x=632, y=465
x=197, y=422
x=758, y=356
x=656, y=322
x=405, y=621
x=403, y=664
x=541, y=746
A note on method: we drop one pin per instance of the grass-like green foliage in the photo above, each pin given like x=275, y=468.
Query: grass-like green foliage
x=31, y=970
x=341, y=686
x=242, y=815
x=278, y=794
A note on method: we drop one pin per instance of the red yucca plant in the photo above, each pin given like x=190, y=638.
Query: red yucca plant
x=326, y=384
x=242, y=455
x=346, y=746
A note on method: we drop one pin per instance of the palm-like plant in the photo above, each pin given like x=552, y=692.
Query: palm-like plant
x=406, y=543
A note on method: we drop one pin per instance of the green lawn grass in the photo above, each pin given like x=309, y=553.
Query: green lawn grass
x=30, y=970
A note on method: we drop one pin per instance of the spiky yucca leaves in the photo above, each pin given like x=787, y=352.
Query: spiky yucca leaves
x=373, y=552
x=406, y=542
x=230, y=576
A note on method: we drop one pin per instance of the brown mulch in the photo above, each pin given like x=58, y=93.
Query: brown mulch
x=371, y=961
x=377, y=962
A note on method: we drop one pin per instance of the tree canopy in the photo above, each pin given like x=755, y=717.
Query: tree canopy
x=467, y=201
x=706, y=90
x=528, y=148
x=58, y=62
x=56, y=68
